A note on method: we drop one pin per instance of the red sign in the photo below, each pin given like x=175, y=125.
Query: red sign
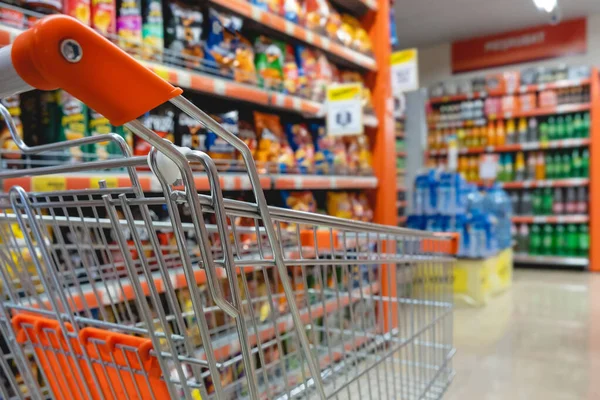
x=546, y=41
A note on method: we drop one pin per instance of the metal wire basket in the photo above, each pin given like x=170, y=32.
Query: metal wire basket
x=112, y=293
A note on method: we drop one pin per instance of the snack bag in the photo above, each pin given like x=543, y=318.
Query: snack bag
x=339, y=204
x=152, y=30
x=340, y=157
x=274, y=151
x=323, y=149
x=247, y=133
x=73, y=122
x=273, y=6
x=129, y=25
x=360, y=38
x=323, y=77
x=269, y=62
x=316, y=14
x=292, y=11
x=306, y=60
x=13, y=105
x=299, y=201
x=346, y=32
x=361, y=208
x=352, y=155
x=355, y=77
x=290, y=71
x=183, y=34
x=365, y=157
x=302, y=144
x=78, y=9
x=190, y=133
x=100, y=125
x=104, y=16
x=162, y=121
x=220, y=41
x=218, y=148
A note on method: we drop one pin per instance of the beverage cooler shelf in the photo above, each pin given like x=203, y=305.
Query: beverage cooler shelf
x=549, y=261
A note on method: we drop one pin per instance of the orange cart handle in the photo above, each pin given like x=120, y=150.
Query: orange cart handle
x=59, y=52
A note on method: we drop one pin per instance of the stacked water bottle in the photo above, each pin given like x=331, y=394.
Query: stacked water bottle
x=445, y=202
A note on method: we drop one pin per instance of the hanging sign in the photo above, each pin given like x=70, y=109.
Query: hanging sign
x=345, y=109
x=405, y=71
x=530, y=44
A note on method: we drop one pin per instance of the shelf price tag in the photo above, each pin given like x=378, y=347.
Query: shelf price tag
x=48, y=183
x=345, y=110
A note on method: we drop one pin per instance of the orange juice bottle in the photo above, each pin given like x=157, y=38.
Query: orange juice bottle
x=510, y=131
x=500, y=133
x=491, y=134
x=540, y=167
x=460, y=137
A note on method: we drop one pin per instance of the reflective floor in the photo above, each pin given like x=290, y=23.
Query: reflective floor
x=540, y=340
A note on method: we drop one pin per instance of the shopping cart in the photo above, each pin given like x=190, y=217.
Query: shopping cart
x=112, y=293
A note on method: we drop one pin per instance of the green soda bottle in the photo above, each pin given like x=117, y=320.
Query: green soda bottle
x=551, y=128
x=577, y=124
x=585, y=164
x=585, y=126
x=550, y=167
x=575, y=163
x=535, y=240
x=560, y=128
x=509, y=175
x=569, y=129
x=572, y=240
x=583, y=248
x=547, y=202
x=536, y=202
x=543, y=132
x=566, y=165
x=560, y=240
x=548, y=240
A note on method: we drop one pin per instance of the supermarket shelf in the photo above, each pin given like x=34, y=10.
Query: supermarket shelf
x=463, y=123
x=559, y=219
x=228, y=345
x=551, y=261
x=564, y=109
x=529, y=146
x=294, y=31
x=521, y=89
x=545, y=183
x=149, y=182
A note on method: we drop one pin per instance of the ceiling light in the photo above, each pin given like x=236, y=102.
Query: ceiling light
x=546, y=5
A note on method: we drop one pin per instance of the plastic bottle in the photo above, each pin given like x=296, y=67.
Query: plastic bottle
x=535, y=240
x=515, y=199
x=532, y=130
x=583, y=248
x=536, y=202
x=511, y=132
x=560, y=128
x=566, y=165
x=558, y=206
x=585, y=164
x=585, y=126
x=577, y=125
x=551, y=128
x=531, y=165
x=520, y=166
x=569, y=129
x=571, y=201
x=509, y=169
x=523, y=235
x=540, y=167
x=543, y=132
x=575, y=164
x=491, y=134
x=547, y=201
x=500, y=133
x=550, y=167
x=572, y=240
x=526, y=204
x=581, y=206
x=560, y=240
x=501, y=177
x=522, y=131
x=548, y=245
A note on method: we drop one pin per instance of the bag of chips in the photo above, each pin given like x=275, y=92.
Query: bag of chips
x=218, y=148
x=274, y=153
x=339, y=204
x=269, y=62
x=183, y=35
x=304, y=150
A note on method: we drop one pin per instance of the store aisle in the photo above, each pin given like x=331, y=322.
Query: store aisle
x=541, y=340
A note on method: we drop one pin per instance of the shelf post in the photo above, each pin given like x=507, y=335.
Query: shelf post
x=594, y=181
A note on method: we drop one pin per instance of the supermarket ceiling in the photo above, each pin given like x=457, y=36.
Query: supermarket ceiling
x=423, y=23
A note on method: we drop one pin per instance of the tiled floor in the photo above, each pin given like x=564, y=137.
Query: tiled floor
x=540, y=340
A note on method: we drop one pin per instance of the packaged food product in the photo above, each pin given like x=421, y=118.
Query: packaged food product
x=9, y=147
x=323, y=78
x=244, y=69
x=292, y=11
x=190, y=133
x=360, y=38
x=316, y=14
x=323, y=149
x=306, y=60
x=299, y=201
x=78, y=9
x=274, y=152
x=302, y=143
x=339, y=204
x=73, y=122
x=152, y=30
x=346, y=33
x=247, y=133
x=104, y=16
x=13, y=17
x=364, y=158
x=162, y=121
x=44, y=6
x=355, y=77
x=269, y=62
x=183, y=34
x=100, y=125
x=334, y=22
x=274, y=6
x=220, y=40
x=361, y=208
x=129, y=25
x=218, y=148
x=290, y=71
